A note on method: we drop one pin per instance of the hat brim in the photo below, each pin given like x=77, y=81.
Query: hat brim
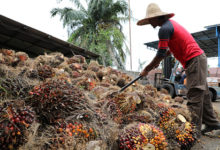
x=145, y=21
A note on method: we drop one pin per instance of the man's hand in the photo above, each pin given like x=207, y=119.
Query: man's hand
x=152, y=65
x=144, y=73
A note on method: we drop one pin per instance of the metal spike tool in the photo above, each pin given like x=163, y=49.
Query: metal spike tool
x=124, y=87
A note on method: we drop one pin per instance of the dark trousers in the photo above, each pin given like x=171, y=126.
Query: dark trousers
x=199, y=102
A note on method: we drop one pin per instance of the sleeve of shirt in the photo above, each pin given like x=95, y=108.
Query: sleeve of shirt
x=164, y=34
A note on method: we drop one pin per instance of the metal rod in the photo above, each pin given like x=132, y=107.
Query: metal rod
x=130, y=33
x=218, y=36
x=123, y=88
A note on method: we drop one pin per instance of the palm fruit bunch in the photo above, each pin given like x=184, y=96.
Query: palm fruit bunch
x=7, y=56
x=76, y=129
x=56, y=99
x=112, y=109
x=185, y=135
x=167, y=120
x=20, y=59
x=137, y=137
x=100, y=115
x=154, y=136
x=14, y=87
x=76, y=59
x=183, y=131
x=67, y=134
x=4, y=70
x=10, y=58
x=45, y=71
x=126, y=102
x=75, y=67
x=14, y=123
x=21, y=56
x=139, y=116
x=53, y=60
x=121, y=82
x=77, y=63
x=131, y=139
x=86, y=83
x=94, y=66
x=75, y=74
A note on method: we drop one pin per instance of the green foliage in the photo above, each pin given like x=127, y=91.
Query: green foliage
x=97, y=28
x=100, y=45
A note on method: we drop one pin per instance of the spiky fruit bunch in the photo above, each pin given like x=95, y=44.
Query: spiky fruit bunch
x=22, y=56
x=81, y=58
x=184, y=131
x=86, y=83
x=112, y=109
x=165, y=111
x=73, y=60
x=154, y=136
x=76, y=129
x=185, y=135
x=139, y=116
x=94, y=66
x=32, y=74
x=57, y=99
x=14, y=87
x=75, y=66
x=167, y=120
x=45, y=71
x=75, y=74
x=121, y=82
x=66, y=134
x=100, y=115
x=126, y=103
x=7, y=52
x=131, y=139
x=76, y=59
x=13, y=124
x=7, y=56
x=138, y=136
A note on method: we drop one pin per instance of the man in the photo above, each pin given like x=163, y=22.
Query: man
x=173, y=38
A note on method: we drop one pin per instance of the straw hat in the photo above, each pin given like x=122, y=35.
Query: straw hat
x=153, y=11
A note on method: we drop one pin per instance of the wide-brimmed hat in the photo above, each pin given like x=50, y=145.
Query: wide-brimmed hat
x=153, y=11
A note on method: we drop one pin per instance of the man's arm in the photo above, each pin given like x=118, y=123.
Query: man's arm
x=165, y=33
x=154, y=63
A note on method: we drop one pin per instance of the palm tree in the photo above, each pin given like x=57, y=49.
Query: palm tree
x=98, y=28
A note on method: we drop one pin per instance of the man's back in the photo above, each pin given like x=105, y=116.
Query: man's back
x=179, y=40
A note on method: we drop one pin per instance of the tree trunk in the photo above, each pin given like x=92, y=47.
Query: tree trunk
x=110, y=50
x=103, y=60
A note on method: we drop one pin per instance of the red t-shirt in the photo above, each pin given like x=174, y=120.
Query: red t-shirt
x=179, y=41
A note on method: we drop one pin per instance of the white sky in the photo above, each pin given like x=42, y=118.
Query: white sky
x=194, y=15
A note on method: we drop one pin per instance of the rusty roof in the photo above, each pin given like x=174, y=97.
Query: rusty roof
x=20, y=37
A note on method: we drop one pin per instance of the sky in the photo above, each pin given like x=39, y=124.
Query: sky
x=194, y=15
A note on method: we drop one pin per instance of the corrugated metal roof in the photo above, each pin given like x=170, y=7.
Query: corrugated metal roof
x=20, y=37
x=206, y=39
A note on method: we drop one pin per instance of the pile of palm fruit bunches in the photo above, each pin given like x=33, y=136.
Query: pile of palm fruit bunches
x=55, y=102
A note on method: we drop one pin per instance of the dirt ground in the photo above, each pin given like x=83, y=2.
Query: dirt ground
x=212, y=140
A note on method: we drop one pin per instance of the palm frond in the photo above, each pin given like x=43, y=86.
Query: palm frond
x=78, y=4
x=68, y=15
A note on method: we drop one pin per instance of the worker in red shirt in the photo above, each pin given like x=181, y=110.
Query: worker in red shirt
x=176, y=40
